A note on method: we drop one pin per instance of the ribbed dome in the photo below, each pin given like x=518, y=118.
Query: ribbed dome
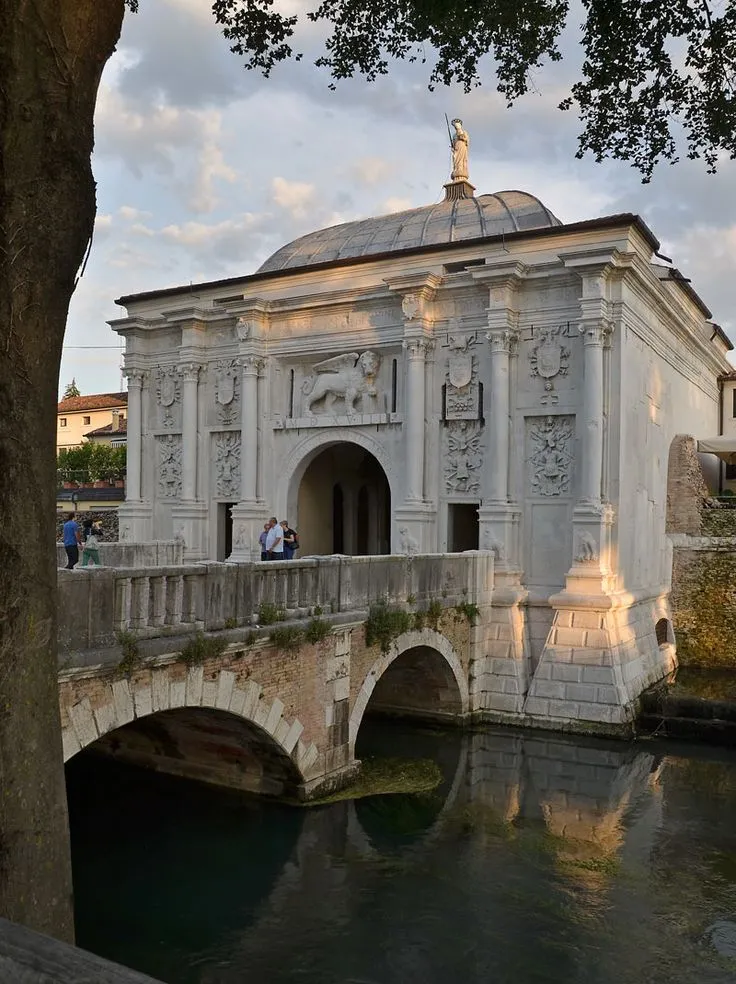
x=446, y=222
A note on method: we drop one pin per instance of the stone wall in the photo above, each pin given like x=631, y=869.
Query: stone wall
x=704, y=600
x=686, y=488
x=133, y=555
x=107, y=518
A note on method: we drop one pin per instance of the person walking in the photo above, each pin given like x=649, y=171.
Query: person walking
x=291, y=540
x=262, y=540
x=72, y=539
x=91, y=549
x=275, y=540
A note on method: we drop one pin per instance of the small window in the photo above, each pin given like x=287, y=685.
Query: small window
x=62, y=421
x=663, y=630
x=733, y=395
x=86, y=420
x=730, y=473
x=394, y=385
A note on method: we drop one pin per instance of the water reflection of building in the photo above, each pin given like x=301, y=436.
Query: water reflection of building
x=521, y=842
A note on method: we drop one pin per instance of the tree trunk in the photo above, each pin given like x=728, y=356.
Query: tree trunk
x=52, y=53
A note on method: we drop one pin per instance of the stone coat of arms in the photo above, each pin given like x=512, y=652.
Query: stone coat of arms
x=549, y=358
x=226, y=379
x=461, y=395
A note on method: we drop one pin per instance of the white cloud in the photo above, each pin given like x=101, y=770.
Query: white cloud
x=131, y=214
x=295, y=197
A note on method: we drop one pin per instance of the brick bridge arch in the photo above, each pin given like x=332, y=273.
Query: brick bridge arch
x=421, y=639
x=120, y=702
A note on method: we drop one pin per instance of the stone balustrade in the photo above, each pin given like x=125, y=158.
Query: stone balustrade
x=96, y=604
x=124, y=554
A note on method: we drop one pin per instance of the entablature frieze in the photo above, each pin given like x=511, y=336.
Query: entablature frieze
x=340, y=420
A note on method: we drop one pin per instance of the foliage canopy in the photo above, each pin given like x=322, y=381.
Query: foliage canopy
x=655, y=75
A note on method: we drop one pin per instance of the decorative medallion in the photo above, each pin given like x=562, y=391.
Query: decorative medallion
x=464, y=457
x=551, y=440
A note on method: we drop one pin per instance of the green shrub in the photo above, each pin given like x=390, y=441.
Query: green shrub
x=231, y=623
x=269, y=614
x=419, y=620
x=384, y=624
x=288, y=638
x=200, y=648
x=411, y=599
x=468, y=611
x=251, y=638
x=317, y=629
x=131, y=653
x=434, y=613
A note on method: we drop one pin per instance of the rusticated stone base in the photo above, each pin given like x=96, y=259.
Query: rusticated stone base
x=596, y=663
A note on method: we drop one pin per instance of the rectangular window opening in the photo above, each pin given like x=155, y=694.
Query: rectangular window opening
x=86, y=420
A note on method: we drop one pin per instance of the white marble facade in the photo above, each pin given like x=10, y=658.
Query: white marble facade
x=516, y=380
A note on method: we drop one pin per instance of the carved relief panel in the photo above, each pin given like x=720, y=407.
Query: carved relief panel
x=462, y=391
x=226, y=375
x=463, y=457
x=549, y=358
x=168, y=458
x=168, y=395
x=550, y=454
x=345, y=384
x=226, y=448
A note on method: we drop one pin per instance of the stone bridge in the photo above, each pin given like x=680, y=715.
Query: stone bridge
x=174, y=669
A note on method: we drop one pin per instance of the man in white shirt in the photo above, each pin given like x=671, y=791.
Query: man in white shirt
x=275, y=541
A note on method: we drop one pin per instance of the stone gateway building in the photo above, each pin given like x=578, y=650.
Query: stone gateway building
x=474, y=374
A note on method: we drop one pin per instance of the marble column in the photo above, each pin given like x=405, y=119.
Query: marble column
x=135, y=434
x=416, y=349
x=249, y=429
x=190, y=382
x=501, y=341
x=592, y=463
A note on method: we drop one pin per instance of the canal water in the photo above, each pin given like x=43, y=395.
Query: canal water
x=538, y=860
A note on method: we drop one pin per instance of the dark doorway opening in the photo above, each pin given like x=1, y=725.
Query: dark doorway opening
x=462, y=526
x=344, y=503
x=224, y=530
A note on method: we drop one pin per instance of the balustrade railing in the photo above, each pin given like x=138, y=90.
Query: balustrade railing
x=97, y=604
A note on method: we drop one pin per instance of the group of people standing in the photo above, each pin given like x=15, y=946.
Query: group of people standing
x=88, y=537
x=278, y=540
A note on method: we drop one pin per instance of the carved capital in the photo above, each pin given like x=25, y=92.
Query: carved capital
x=190, y=371
x=502, y=339
x=596, y=333
x=416, y=348
x=135, y=377
x=251, y=365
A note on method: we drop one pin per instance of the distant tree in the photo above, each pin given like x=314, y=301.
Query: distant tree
x=649, y=70
x=71, y=390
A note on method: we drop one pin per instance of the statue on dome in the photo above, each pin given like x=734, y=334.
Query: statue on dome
x=460, y=142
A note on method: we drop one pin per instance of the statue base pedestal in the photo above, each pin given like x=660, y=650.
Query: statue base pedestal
x=455, y=190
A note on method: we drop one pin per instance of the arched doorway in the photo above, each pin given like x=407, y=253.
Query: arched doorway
x=344, y=503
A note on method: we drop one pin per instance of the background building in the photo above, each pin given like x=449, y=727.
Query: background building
x=78, y=415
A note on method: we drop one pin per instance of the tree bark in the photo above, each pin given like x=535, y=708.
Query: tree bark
x=52, y=53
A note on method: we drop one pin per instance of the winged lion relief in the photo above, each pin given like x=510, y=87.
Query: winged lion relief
x=346, y=377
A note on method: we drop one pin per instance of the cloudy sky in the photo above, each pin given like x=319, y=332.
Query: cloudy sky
x=204, y=169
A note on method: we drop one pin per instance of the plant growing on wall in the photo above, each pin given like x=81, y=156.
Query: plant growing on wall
x=131, y=660
x=317, y=629
x=468, y=611
x=287, y=638
x=269, y=614
x=384, y=624
x=200, y=648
